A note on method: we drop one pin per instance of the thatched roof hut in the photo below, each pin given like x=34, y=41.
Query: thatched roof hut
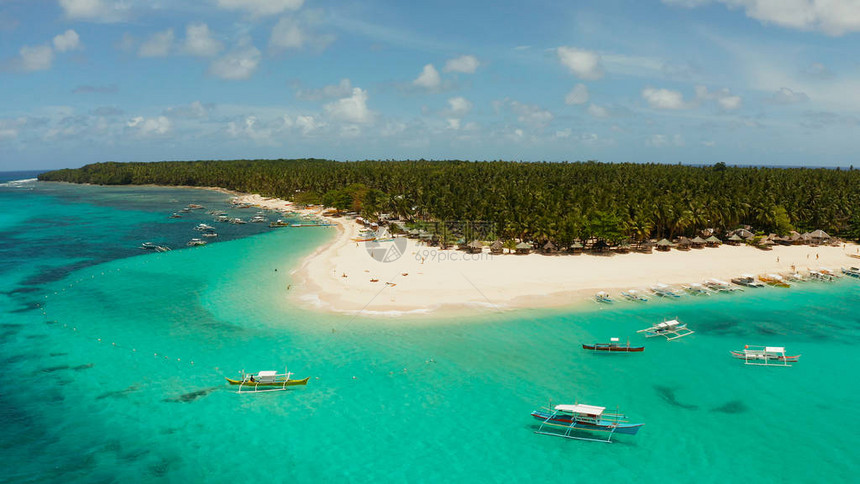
x=735, y=239
x=664, y=245
x=524, y=248
x=645, y=247
x=684, y=243
x=744, y=234
x=475, y=246
x=576, y=248
x=712, y=241
x=549, y=247
x=497, y=247
x=819, y=236
x=698, y=242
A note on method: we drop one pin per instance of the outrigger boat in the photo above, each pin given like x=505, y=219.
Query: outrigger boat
x=562, y=420
x=634, y=295
x=820, y=276
x=718, y=285
x=671, y=329
x=663, y=290
x=851, y=271
x=603, y=297
x=773, y=280
x=697, y=289
x=278, y=223
x=266, y=381
x=747, y=280
x=613, y=346
x=765, y=356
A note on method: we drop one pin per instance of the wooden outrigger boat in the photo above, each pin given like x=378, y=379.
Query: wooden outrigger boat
x=634, y=295
x=851, y=272
x=671, y=329
x=613, y=346
x=664, y=290
x=563, y=420
x=773, y=280
x=266, y=381
x=747, y=280
x=603, y=297
x=765, y=356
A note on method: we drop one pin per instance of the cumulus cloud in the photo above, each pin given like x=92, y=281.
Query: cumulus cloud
x=287, y=34
x=577, y=95
x=352, y=109
x=341, y=89
x=466, y=64
x=429, y=78
x=195, y=110
x=95, y=10
x=149, y=126
x=598, y=111
x=724, y=97
x=664, y=98
x=199, y=41
x=259, y=8
x=833, y=17
x=662, y=140
x=786, y=96
x=66, y=41
x=459, y=106
x=584, y=64
x=531, y=115
x=157, y=45
x=238, y=64
x=308, y=124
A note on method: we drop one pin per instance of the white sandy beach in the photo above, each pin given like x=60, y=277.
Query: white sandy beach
x=338, y=276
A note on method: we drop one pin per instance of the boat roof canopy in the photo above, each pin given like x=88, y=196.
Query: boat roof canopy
x=267, y=373
x=614, y=340
x=578, y=408
x=774, y=349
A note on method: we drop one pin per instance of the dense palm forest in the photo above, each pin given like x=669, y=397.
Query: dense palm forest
x=560, y=202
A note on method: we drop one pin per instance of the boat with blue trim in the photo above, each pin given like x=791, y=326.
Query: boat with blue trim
x=563, y=420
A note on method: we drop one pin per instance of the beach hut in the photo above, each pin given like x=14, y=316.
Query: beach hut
x=766, y=244
x=645, y=247
x=524, y=248
x=684, y=243
x=819, y=237
x=549, y=247
x=794, y=238
x=735, y=239
x=497, y=247
x=576, y=248
x=664, y=245
x=713, y=241
x=698, y=242
x=744, y=234
x=475, y=247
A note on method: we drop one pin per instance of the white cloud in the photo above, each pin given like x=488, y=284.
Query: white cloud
x=68, y=40
x=35, y=58
x=342, y=89
x=308, y=124
x=259, y=8
x=149, y=126
x=429, y=78
x=352, y=109
x=195, y=110
x=466, y=64
x=199, y=41
x=459, y=106
x=833, y=17
x=531, y=115
x=577, y=95
x=786, y=96
x=664, y=98
x=724, y=97
x=238, y=64
x=598, y=111
x=157, y=45
x=583, y=64
x=287, y=34
x=453, y=123
x=95, y=10
x=662, y=140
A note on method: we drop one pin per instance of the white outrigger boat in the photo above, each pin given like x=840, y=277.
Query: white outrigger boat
x=671, y=329
x=266, y=381
x=603, y=297
x=718, y=285
x=563, y=420
x=765, y=356
x=747, y=280
x=634, y=295
x=664, y=290
x=696, y=289
x=851, y=272
x=820, y=276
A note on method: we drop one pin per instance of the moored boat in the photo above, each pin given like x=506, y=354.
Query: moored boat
x=747, y=280
x=634, y=295
x=664, y=290
x=563, y=420
x=266, y=381
x=195, y=242
x=603, y=297
x=851, y=271
x=765, y=356
x=773, y=280
x=671, y=329
x=613, y=346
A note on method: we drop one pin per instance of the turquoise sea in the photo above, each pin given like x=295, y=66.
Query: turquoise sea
x=114, y=361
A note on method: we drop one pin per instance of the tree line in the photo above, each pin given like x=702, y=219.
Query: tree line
x=537, y=201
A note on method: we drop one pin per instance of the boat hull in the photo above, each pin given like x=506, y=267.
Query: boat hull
x=289, y=383
x=787, y=358
x=613, y=349
x=602, y=425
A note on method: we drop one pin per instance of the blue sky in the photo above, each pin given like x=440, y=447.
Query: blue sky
x=692, y=81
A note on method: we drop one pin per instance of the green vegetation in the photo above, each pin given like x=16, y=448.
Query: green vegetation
x=560, y=202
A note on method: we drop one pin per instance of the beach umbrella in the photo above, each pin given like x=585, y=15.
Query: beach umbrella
x=664, y=243
x=736, y=238
x=713, y=240
x=523, y=245
x=698, y=240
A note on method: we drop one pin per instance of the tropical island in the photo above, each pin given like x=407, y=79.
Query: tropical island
x=705, y=222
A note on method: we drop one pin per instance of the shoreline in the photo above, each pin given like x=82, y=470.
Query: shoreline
x=355, y=278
